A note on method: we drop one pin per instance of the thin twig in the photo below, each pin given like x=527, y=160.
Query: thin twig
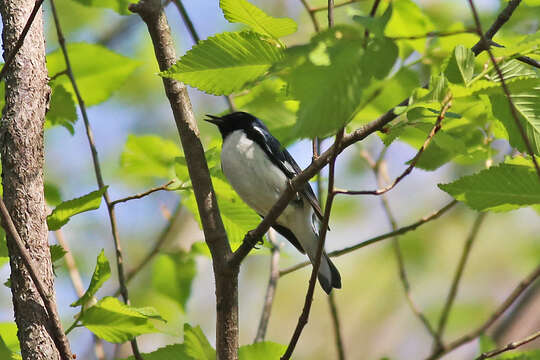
x=196, y=38
x=520, y=288
x=270, y=288
x=303, y=319
x=400, y=231
x=529, y=61
x=457, y=275
x=381, y=174
x=97, y=170
x=432, y=34
x=337, y=327
x=77, y=283
x=325, y=8
x=58, y=335
x=312, y=15
x=434, y=130
x=510, y=346
x=372, y=13
x=513, y=109
x=21, y=38
x=143, y=194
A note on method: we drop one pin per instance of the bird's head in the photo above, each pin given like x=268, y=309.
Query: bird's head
x=234, y=121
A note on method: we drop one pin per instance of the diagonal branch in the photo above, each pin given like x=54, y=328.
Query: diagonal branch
x=447, y=103
x=60, y=339
x=143, y=194
x=302, y=321
x=400, y=231
x=510, y=346
x=522, y=286
x=484, y=40
x=97, y=170
x=270, y=289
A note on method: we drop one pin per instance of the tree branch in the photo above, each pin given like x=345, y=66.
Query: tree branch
x=446, y=105
x=434, y=34
x=510, y=346
x=143, y=194
x=522, y=286
x=400, y=231
x=302, y=321
x=484, y=41
x=21, y=38
x=337, y=327
x=312, y=16
x=226, y=274
x=457, y=275
x=60, y=339
x=97, y=170
x=325, y=8
x=270, y=289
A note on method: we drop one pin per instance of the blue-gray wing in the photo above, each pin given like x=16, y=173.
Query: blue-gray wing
x=282, y=159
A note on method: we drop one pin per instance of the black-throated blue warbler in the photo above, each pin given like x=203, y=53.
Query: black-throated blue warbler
x=259, y=169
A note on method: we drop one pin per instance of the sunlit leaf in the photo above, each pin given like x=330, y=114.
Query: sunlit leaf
x=61, y=109
x=52, y=194
x=242, y=11
x=116, y=322
x=460, y=68
x=57, y=252
x=102, y=272
x=99, y=71
x=63, y=212
x=147, y=156
x=504, y=187
x=196, y=344
x=172, y=275
x=169, y=352
x=266, y=350
x=227, y=62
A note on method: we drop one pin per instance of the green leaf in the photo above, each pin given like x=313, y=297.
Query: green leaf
x=149, y=156
x=227, y=62
x=197, y=346
x=52, y=194
x=99, y=72
x=242, y=11
x=267, y=100
x=460, y=68
x=116, y=322
x=172, y=276
x=120, y=6
x=57, y=252
x=376, y=25
x=486, y=343
x=169, y=352
x=238, y=218
x=527, y=104
x=62, y=109
x=8, y=333
x=505, y=187
x=62, y=213
x=330, y=94
x=266, y=350
x=102, y=272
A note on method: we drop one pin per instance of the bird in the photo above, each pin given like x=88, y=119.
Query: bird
x=259, y=169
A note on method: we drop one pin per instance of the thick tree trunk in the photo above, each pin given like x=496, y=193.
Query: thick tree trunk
x=21, y=149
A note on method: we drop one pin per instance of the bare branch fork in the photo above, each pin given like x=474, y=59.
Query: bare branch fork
x=143, y=194
x=97, y=170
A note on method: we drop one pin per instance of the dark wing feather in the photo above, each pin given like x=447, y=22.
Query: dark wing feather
x=282, y=159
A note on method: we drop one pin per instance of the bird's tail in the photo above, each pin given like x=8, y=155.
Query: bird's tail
x=328, y=275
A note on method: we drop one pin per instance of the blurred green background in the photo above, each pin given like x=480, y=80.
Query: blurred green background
x=375, y=318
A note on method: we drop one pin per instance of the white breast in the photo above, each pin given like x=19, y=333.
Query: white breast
x=251, y=173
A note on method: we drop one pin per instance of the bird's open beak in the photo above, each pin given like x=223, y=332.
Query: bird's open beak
x=216, y=120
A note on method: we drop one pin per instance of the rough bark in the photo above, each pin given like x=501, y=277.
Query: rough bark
x=226, y=275
x=21, y=150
